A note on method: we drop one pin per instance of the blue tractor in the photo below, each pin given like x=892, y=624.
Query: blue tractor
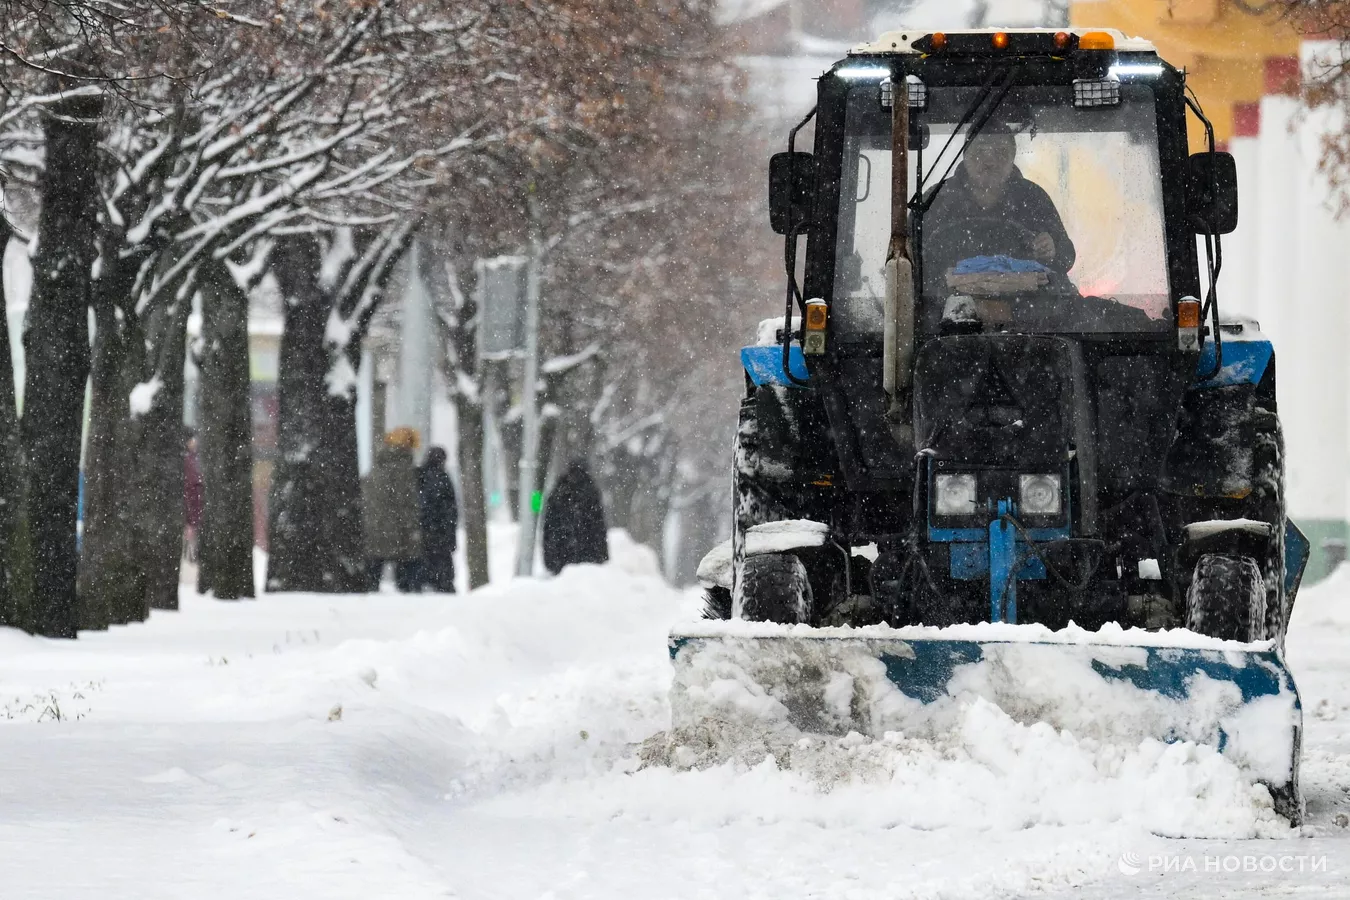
x=1002, y=410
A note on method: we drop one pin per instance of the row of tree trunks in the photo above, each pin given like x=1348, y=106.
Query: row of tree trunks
x=225, y=440
x=56, y=352
x=134, y=487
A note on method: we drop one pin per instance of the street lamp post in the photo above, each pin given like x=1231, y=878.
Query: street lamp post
x=529, y=452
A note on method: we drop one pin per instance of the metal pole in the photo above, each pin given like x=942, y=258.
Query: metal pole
x=529, y=451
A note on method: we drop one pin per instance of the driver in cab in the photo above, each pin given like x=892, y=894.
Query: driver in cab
x=987, y=208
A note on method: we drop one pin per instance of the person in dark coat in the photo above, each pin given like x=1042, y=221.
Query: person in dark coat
x=390, y=515
x=988, y=208
x=574, y=521
x=440, y=519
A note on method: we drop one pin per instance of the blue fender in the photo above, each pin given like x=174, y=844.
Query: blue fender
x=1244, y=362
x=764, y=365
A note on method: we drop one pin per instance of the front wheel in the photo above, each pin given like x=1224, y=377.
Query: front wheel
x=1227, y=598
x=775, y=588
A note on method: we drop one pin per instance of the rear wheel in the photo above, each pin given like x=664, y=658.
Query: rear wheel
x=1227, y=598
x=775, y=588
x=1266, y=504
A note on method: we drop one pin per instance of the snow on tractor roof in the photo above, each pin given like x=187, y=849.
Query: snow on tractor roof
x=903, y=41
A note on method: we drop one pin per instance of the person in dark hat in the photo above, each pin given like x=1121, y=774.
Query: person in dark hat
x=440, y=520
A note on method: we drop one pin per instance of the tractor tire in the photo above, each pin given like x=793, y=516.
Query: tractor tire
x=1227, y=599
x=754, y=499
x=1266, y=504
x=775, y=588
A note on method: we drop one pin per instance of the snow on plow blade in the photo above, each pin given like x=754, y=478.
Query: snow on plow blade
x=1113, y=686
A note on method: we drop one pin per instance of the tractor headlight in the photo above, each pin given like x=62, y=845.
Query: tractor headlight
x=955, y=495
x=1038, y=495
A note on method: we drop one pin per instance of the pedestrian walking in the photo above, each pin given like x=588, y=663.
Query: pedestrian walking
x=391, y=517
x=574, y=521
x=440, y=520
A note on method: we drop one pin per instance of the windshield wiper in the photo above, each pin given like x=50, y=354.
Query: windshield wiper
x=919, y=204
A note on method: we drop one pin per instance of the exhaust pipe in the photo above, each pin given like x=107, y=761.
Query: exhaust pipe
x=898, y=331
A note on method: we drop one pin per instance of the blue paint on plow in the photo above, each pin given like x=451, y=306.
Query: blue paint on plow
x=1169, y=670
x=925, y=675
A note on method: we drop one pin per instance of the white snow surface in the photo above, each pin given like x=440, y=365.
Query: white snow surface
x=511, y=743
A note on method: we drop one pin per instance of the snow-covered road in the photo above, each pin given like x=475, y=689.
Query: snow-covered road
x=489, y=746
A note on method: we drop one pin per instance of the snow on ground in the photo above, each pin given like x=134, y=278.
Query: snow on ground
x=493, y=746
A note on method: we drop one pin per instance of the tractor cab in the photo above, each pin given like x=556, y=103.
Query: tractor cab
x=1001, y=283
x=1038, y=167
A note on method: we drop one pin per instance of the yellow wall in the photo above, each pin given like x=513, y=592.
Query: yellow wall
x=1222, y=48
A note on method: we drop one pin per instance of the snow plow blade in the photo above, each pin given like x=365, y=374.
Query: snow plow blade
x=1116, y=686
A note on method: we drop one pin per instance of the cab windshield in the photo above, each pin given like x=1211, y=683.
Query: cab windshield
x=1051, y=221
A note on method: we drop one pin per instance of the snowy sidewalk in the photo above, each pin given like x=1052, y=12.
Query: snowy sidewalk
x=487, y=746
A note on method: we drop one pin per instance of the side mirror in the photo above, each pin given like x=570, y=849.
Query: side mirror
x=1211, y=193
x=791, y=190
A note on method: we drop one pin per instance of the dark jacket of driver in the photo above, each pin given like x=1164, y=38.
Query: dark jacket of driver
x=956, y=227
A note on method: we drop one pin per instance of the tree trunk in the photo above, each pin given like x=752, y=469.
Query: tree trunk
x=225, y=539
x=469, y=415
x=10, y=614
x=56, y=349
x=111, y=584
x=158, y=441
x=316, y=541
x=107, y=408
